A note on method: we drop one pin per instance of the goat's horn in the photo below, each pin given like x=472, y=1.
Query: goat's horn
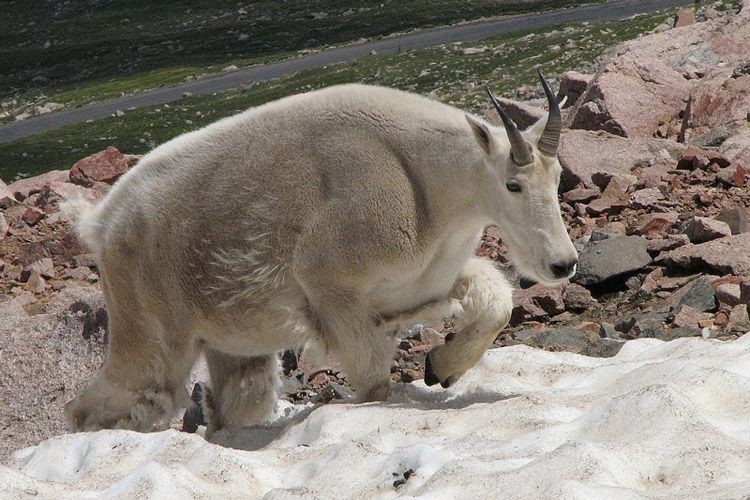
x=550, y=138
x=519, y=148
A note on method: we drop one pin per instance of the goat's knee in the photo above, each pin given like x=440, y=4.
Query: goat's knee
x=486, y=298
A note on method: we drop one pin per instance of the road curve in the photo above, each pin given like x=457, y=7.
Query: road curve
x=419, y=39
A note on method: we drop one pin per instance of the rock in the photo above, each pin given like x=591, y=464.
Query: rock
x=576, y=298
x=687, y=316
x=696, y=158
x=736, y=218
x=56, y=192
x=645, y=325
x=684, y=17
x=45, y=267
x=580, y=195
x=702, y=229
x=720, y=101
x=584, y=153
x=572, y=85
x=523, y=114
x=734, y=175
x=4, y=226
x=651, y=280
x=537, y=302
x=46, y=360
x=646, y=198
x=32, y=216
x=728, y=294
x=569, y=339
x=736, y=146
x=614, y=198
x=745, y=292
x=194, y=415
x=738, y=319
x=726, y=255
x=697, y=294
x=610, y=258
x=678, y=333
x=655, y=225
x=35, y=283
x=105, y=166
x=24, y=188
x=12, y=307
x=7, y=199
x=630, y=95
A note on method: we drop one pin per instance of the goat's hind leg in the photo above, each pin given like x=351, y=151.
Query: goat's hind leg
x=244, y=390
x=486, y=299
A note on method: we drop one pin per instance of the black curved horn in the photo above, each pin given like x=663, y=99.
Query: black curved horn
x=550, y=139
x=520, y=152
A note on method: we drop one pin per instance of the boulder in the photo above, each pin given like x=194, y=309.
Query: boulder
x=726, y=255
x=736, y=218
x=630, y=97
x=24, y=188
x=696, y=158
x=610, y=258
x=522, y=113
x=728, y=294
x=683, y=18
x=736, y=146
x=702, y=229
x=734, y=175
x=720, y=101
x=537, y=302
x=572, y=86
x=6, y=196
x=105, y=166
x=584, y=153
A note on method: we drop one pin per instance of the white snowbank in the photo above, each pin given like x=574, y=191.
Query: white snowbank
x=660, y=419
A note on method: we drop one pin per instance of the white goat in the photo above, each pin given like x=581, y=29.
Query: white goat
x=331, y=216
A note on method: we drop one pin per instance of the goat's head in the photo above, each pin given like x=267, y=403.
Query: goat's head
x=523, y=177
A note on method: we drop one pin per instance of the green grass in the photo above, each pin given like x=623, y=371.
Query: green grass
x=79, y=51
x=442, y=72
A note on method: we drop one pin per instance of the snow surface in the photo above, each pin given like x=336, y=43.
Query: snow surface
x=659, y=419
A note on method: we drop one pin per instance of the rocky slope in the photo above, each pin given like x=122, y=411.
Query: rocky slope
x=654, y=192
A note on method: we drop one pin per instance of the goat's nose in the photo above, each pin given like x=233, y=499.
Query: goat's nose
x=563, y=269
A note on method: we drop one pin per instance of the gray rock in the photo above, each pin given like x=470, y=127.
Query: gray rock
x=697, y=294
x=610, y=258
x=643, y=325
x=571, y=340
x=736, y=218
x=678, y=333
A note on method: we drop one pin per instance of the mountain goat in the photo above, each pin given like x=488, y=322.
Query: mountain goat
x=332, y=216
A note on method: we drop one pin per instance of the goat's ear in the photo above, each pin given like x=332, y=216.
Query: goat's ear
x=534, y=132
x=481, y=133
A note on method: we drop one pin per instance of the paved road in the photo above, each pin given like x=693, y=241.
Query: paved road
x=469, y=32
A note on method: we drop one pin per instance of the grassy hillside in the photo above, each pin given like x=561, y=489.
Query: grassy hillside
x=447, y=73
x=53, y=46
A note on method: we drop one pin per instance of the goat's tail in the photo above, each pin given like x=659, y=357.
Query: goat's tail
x=82, y=216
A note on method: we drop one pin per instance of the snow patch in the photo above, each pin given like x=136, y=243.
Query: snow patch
x=658, y=419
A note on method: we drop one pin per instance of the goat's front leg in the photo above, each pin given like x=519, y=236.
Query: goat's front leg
x=486, y=300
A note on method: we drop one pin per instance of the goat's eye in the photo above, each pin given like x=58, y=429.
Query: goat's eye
x=513, y=186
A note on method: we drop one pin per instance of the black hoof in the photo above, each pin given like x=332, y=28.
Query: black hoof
x=429, y=376
x=446, y=383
